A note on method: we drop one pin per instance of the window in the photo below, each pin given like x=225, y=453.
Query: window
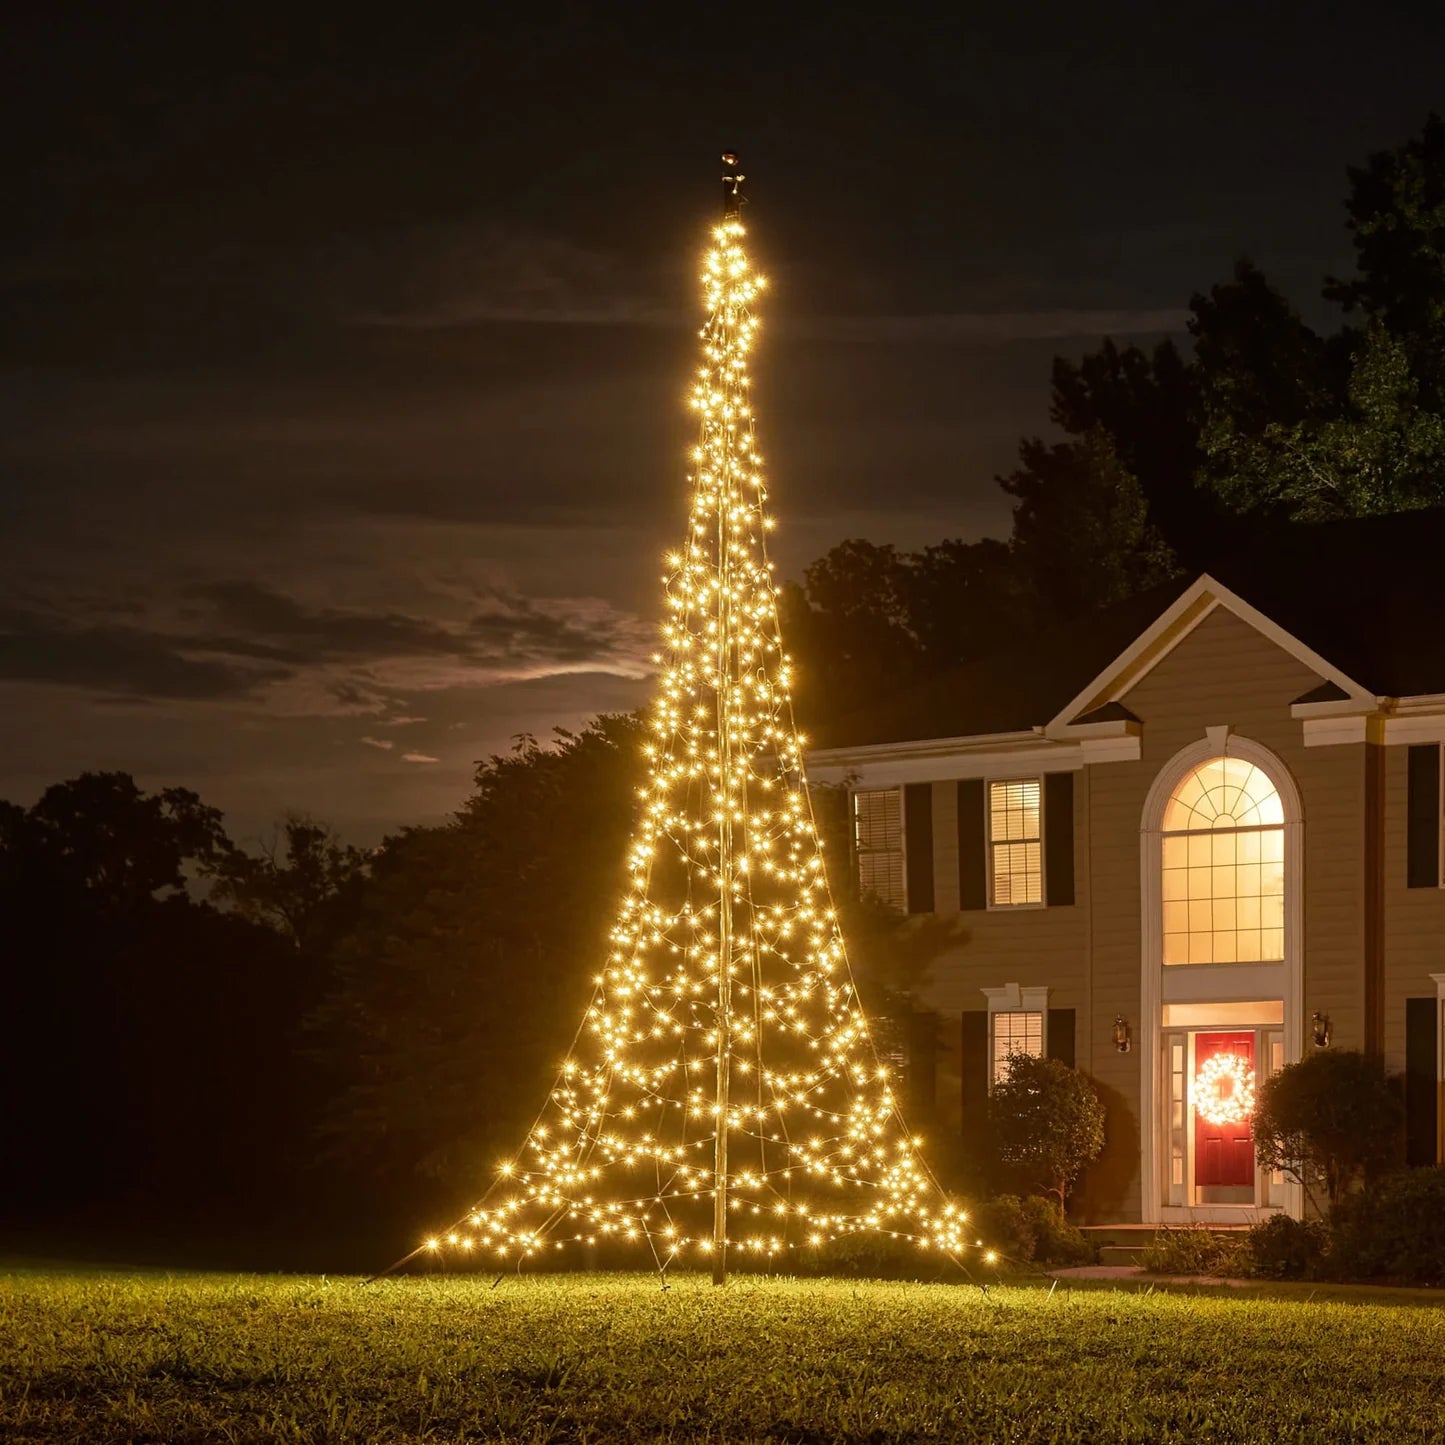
x=1015, y=844
x=1223, y=866
x=1018, y=1023
x=1018, y=1031
x=878, y=845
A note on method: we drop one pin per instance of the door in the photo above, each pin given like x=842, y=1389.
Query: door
x=1224, y=1170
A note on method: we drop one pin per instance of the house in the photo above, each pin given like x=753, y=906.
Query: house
x=1196, y=839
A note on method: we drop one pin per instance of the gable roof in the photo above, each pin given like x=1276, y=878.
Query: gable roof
x=1361, y=602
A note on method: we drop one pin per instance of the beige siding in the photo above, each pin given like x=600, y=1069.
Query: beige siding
x=1224, y=673
x=1414, y=918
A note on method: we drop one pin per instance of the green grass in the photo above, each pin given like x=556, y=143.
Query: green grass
x=145, y=1357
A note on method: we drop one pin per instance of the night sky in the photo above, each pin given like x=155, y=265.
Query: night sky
x=342, y=414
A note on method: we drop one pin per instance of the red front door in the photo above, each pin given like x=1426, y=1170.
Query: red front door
x=1224, y=1151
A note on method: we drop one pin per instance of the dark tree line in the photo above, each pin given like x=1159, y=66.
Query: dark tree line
x=310, y=1044
x=1170, y=456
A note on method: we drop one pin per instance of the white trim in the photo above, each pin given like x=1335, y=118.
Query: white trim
x=945, y=760
x=1156, y=981
x=1111, y=750
x=1172, y=626
x=1414, y=728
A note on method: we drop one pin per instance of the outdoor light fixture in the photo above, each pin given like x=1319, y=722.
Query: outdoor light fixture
x=1122, y=1041
x=1323, y=1029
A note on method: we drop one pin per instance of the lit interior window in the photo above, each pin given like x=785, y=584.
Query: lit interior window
x=1015, y=850
x=878, y=845
x=1223, y=874
x=1015, y=1032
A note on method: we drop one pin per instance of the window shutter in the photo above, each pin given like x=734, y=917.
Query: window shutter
x=918, y=845
x=1422, y=1088
x=973, y=1070
x=972, y=867
x=1423, y=812
x=922, y=1064
x=1059, y=838
x=1061, y=1035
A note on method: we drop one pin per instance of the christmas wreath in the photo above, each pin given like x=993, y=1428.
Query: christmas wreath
x=1224, y=1090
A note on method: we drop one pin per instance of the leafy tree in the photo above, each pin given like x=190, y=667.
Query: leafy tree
x=1396, y=209
x=100, y=835
x=1331, y=1119
x=1082, y=534
x=470, y=961
x=1047, y=1123
x=303, y=883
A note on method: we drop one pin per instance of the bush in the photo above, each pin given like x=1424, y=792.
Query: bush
x=1193, y=1249
x=1031, y=1229
x=1330, y=1119
x=1284, y=1248
x=1003, y=1226
x=1056, y=1241
x=1394, y=1229
x=1047, y=1123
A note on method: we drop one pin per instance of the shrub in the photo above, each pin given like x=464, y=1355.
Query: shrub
x=1395, y=1229
x=1193, y=1249
x=1330, y=1119
x=1003, y=1226
x=1021, y=1230
x=1284, y=1248
x=1056, y=1241
x=1047, y=1123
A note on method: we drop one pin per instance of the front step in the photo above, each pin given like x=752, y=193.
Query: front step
x=1131, y=1255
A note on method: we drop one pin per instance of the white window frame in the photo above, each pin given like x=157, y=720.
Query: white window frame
x=902, y=838
x=988, y=844
x=1011, y=999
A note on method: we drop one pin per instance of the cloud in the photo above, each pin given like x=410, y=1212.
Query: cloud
x=419, y=758
x=472, y=273
x=399, y=722
x=126, y=661
x=987, y=326
x=244, y=640
x=385, y=744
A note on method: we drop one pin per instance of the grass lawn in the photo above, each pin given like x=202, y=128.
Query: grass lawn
x=146, y=1357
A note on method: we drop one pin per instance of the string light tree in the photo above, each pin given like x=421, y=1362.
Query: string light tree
x=722, y=1092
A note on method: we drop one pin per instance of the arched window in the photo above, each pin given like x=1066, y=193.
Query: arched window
x=1223, y=866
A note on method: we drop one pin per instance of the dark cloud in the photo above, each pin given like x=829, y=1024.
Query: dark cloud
x=120, y=660
x=261, y=620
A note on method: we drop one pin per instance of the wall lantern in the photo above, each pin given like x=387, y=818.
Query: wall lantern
x=1322, y=1029
x=1122, y=1041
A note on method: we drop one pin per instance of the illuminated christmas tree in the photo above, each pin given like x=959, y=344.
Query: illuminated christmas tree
x=723, y=1091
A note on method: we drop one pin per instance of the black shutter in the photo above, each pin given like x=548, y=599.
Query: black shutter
x=976, y=1157
x=918, y=845
x=972, y=867
x=1422, y=1086
x=973, y=1070
x=1423, y=814
x=922, y=1064
x=1061, y=1035
x=1059, y=838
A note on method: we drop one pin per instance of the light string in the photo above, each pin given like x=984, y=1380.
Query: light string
x=727, y=1005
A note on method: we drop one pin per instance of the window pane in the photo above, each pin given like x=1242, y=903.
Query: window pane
x=1015, y=1032
x=878, y=844
x=1017, y=873
x=1223, y=852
